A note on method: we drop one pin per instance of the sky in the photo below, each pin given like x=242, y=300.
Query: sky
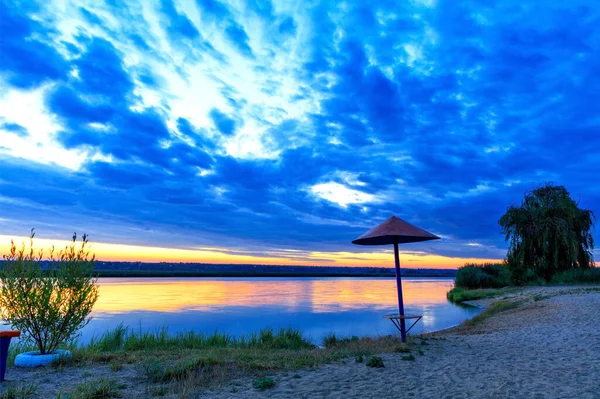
x=277, y=132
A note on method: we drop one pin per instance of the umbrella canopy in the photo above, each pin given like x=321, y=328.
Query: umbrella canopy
x=394, y=229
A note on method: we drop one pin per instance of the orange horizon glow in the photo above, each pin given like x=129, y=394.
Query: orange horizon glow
x=149, y=254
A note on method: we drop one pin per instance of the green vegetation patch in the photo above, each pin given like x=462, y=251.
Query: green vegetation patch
x=185, y=363
x=19, y=392
x=182, y=369
x=331, y=340
x=101, y=388
x=124, y=339
x=263, y=383
x=495, y=308
x=375, y=362
x=402, y=349
x=578, y=276
x=458, y=295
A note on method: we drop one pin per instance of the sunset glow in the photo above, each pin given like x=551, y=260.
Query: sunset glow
x=123, y=296
x=380, y=257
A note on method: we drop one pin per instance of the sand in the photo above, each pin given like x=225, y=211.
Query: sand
x=549, y=348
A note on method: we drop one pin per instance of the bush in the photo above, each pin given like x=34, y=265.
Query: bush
x=49, y=305
x=488, y=275
x=578, y=276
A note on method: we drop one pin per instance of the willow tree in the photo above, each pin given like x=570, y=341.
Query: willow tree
x=548, y=233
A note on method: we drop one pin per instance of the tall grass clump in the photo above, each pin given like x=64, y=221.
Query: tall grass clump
x=19, y=392
x=123, y=338
x=101, y=388
x=487, y=275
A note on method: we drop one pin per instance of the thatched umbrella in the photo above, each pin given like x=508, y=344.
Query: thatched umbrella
x=395, y=231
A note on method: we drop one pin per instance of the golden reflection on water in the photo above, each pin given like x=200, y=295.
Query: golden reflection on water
x=318, y=295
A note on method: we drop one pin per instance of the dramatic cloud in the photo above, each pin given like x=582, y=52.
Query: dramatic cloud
x=269, y=127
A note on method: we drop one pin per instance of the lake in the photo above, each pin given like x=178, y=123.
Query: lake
x=237, y=306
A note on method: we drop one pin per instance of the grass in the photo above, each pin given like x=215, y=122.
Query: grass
x=116, y=366
x=331, y=340
x=458, y=295
x=125, y=339
x=183, y=363
x=495, y=308
x=178, y=370
x=101, y=388
x=402, y=349
x=375, y=362
x=19, y=392
x=263, y=383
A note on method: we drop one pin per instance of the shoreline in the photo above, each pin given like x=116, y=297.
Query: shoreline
x=517, y=353
x=443, y=363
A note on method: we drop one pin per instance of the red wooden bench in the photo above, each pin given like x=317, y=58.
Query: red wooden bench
x=5, y=337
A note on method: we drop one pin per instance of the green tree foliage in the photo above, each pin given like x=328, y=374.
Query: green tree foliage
x=49, y=305
x=548, y=233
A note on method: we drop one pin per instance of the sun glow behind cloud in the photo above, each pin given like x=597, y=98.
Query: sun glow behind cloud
x=342, y=195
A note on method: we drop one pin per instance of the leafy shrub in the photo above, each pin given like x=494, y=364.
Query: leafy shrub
x=263, y=383
x=488, y=275
x=49, y=305
x=578, y=276
x=376, y=362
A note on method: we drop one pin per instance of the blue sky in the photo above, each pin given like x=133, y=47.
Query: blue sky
x=263, y=127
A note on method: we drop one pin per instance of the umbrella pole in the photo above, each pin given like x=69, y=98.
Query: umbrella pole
x=399, y=287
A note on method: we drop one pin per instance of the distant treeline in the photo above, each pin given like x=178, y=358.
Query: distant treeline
x=168, y=269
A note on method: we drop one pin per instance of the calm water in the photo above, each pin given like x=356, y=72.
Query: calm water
x=317, y=306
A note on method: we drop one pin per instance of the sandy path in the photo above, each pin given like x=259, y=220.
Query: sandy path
x=544, y=349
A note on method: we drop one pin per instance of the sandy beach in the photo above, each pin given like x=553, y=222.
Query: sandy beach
x=545, y=348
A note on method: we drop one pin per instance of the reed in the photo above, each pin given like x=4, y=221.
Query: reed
x=123, y=338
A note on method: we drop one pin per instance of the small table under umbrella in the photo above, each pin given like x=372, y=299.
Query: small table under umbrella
x=396, y=231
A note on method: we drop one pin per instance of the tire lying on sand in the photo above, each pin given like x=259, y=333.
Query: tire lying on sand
x=34, y=359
